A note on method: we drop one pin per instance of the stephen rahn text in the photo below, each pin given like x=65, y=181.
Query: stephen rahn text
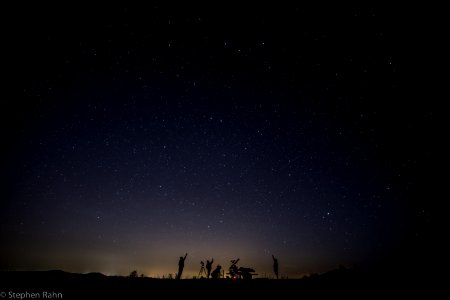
x=35, y=295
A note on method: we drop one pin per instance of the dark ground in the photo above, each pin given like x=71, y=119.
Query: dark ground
x=338, y=283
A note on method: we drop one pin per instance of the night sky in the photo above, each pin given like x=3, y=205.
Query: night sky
x=137, y=135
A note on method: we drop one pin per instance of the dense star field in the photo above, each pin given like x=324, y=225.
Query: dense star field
x=142, y=136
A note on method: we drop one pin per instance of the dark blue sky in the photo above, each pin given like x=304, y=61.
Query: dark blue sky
x=142, y=136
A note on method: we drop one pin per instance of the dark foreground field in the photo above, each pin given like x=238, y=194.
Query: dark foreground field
x=58, y=284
